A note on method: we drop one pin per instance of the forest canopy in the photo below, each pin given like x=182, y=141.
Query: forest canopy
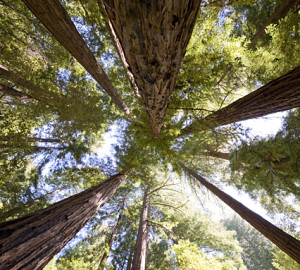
x=121, y=129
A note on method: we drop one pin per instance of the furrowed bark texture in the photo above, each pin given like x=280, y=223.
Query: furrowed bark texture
x=281, y=239
x=278, y=95
x=16, y=94
x=141, y=246
x=31, y=242
x=113, y=235
x=151, y=37
x=54, y=17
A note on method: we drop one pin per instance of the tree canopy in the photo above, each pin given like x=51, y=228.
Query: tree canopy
x=167, y=82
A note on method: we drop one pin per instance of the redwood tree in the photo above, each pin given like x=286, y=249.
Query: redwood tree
x=54, y=17
x=281, y=239
x=141, y=246
x=113, y=235
x=151, y=37
x=278, y=95
x=30, y=242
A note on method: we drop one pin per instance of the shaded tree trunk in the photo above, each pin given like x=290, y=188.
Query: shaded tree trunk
x=151, y=37
x=16, y=94
x=141, y=246
x=28, y=204
x=278, y=95
x=32, y=139
x=129, y=261
x=281, y=239
x=30, y=242
x=113, y=235
x=279, y=12
x=54, y=17
x=218, y=154
x=13, y=77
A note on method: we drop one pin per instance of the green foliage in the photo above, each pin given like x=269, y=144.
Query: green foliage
x=257, y=250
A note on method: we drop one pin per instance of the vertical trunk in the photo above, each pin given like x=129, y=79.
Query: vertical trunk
x=284, y=241
x=28, y=204
x=278, y=95
x=30, y=242
x=113, y=235
x=54, y=17
x=279, y=12
x=141, y=246
x=151, y=37
x=129, y=261
x=16, y=94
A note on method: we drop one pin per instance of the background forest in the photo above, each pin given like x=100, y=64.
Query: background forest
x=86, y=97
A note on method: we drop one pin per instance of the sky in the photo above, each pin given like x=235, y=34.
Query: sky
x=264, y=126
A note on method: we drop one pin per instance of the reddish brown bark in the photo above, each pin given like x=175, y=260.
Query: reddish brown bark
x=16, y=94
x=151, y=37
x=30, y=242
x=278, y=95
x=54, y=17
x=141, y=246
x=113, y=235
x=281, y=239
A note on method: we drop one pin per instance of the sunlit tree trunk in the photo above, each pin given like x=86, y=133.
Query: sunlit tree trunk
x=54, y=17
x=31, y=242
x=141, y=246
x=281, y=239
x=151, y=37
x=278, y=95
x=113, y=235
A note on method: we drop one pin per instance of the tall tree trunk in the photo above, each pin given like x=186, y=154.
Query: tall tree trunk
x=141, y=246
x=129, y=261
x=218, y=154
x=16, y=94
x=54, y=17
x=281, y=239
x=151, y=37
x=31, y=139
x=30, y=242
x=113, y=235
x=278, y=95
x=28, y=204
x=279, y=12
x=13, y=77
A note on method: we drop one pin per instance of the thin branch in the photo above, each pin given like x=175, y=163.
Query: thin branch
x=174, y=236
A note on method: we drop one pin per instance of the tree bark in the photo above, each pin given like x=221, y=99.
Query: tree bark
x=28, y=204
x=218, y=154
x=279, y=12
x=141, y=246
x=32, y=139
x=281, y=239
x=13, y=77
x=54, y=17
x=113, y=235
x=16, y=94
x=151, y=37
x=278, y=95
x=30, y=242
